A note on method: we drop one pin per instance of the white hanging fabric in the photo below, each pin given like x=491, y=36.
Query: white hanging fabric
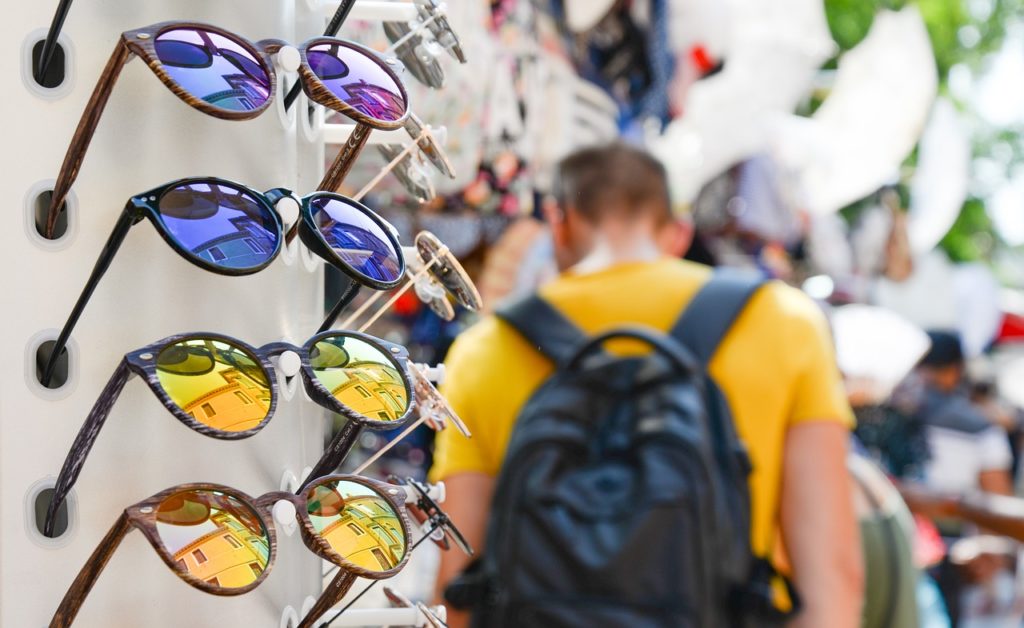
x=774, y=50
x=873, y=118
x=939, y=188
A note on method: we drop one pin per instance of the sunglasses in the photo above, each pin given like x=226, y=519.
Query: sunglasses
x=191, y=525
x=436, y=275
x=224, y=388
x=49, y=47
x=434, y=522
x=229, y=77
x=397, y=600
x=230, y=229
x=413, y=49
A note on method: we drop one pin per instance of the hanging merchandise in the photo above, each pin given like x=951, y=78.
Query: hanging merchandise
x=228, y=77
x=436, y=525
x=416, y=52
x=435, y=262
x=773, y=54
x=223, y=388
x=875, y=349
x=199, y=530
x=233, y=230
x=871, y=120
x=626, y=51
x=941, y=177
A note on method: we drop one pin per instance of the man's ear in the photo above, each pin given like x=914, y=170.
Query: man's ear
x=554, y=216
x=675, y=236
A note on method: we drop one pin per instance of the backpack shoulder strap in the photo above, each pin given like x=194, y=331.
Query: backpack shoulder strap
x=712, y=312
x=543, y=326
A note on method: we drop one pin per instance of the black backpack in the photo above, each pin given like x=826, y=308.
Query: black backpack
x=623, y=499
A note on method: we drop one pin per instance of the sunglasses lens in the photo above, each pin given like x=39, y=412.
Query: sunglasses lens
x=221, y=224
x=220, y=385
x=361, y=376
x=358, y=523
x=359, y=79
x=356, y=238
x=218, y=70
x=214, y=537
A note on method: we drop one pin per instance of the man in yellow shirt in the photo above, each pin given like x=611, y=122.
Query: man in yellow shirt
x=617, y=244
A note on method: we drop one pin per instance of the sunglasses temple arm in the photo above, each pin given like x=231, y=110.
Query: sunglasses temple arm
x=50, y=43
x=90, y=572
x=406, y=151
x=335, y=452
x=394, y=441
x=84, y=441
x=337, y=589
x=395, y=297
x=332, y=29
x=346, y=299
x=343, y=163
x=124, y=223
x=84, y=132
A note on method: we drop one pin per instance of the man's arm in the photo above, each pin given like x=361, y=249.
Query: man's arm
x=819, y=527
x=467, y=502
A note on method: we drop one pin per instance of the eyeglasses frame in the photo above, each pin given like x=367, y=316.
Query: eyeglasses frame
x=143, y=362
x=141, y=43
x=142, y=516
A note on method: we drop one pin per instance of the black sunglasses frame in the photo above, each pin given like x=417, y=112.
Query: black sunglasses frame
x=146, y=206
x=143, y=362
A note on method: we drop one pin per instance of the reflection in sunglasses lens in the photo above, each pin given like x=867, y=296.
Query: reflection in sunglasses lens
x=220, y=385
x=214, y=537
x=356, y=238
x=220, y=224
x=360, y=376
x=359, y=79
x=358, y=523
x=213, y=68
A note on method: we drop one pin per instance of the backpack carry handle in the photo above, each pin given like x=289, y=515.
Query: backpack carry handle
x=680, y=356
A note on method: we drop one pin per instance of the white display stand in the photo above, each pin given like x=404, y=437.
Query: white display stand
x=147, y=137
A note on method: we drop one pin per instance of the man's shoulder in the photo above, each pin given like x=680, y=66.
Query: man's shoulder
x=486, y=341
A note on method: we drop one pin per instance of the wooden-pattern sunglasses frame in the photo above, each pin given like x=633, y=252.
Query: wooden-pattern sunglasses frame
x=143, y=362
x=143, y=517
x=142, y=43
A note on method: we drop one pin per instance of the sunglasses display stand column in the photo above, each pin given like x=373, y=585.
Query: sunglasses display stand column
x=147, y=137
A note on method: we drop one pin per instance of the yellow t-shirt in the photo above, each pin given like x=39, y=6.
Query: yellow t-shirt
x=776, y=367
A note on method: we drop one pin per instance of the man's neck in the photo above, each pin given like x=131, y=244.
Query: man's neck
x=608, y=253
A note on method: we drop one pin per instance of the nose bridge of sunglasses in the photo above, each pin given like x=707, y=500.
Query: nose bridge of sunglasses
x=289, y=363
x=285, y=514
x=288, y=58
x=288, y=208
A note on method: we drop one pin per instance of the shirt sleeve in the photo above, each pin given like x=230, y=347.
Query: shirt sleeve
x=818, y=391
x=994, y=452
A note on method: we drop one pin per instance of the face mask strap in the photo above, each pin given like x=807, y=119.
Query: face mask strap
x=84, y=441
x=85, y=131
x=90, y=573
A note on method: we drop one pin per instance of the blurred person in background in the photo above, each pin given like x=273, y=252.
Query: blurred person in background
x=617, y=245
x=967, y=453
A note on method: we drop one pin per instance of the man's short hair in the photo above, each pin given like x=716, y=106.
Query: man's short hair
x=613, y=179
x=946, y=350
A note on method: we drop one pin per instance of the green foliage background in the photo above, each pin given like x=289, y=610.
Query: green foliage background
x=962, y=32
